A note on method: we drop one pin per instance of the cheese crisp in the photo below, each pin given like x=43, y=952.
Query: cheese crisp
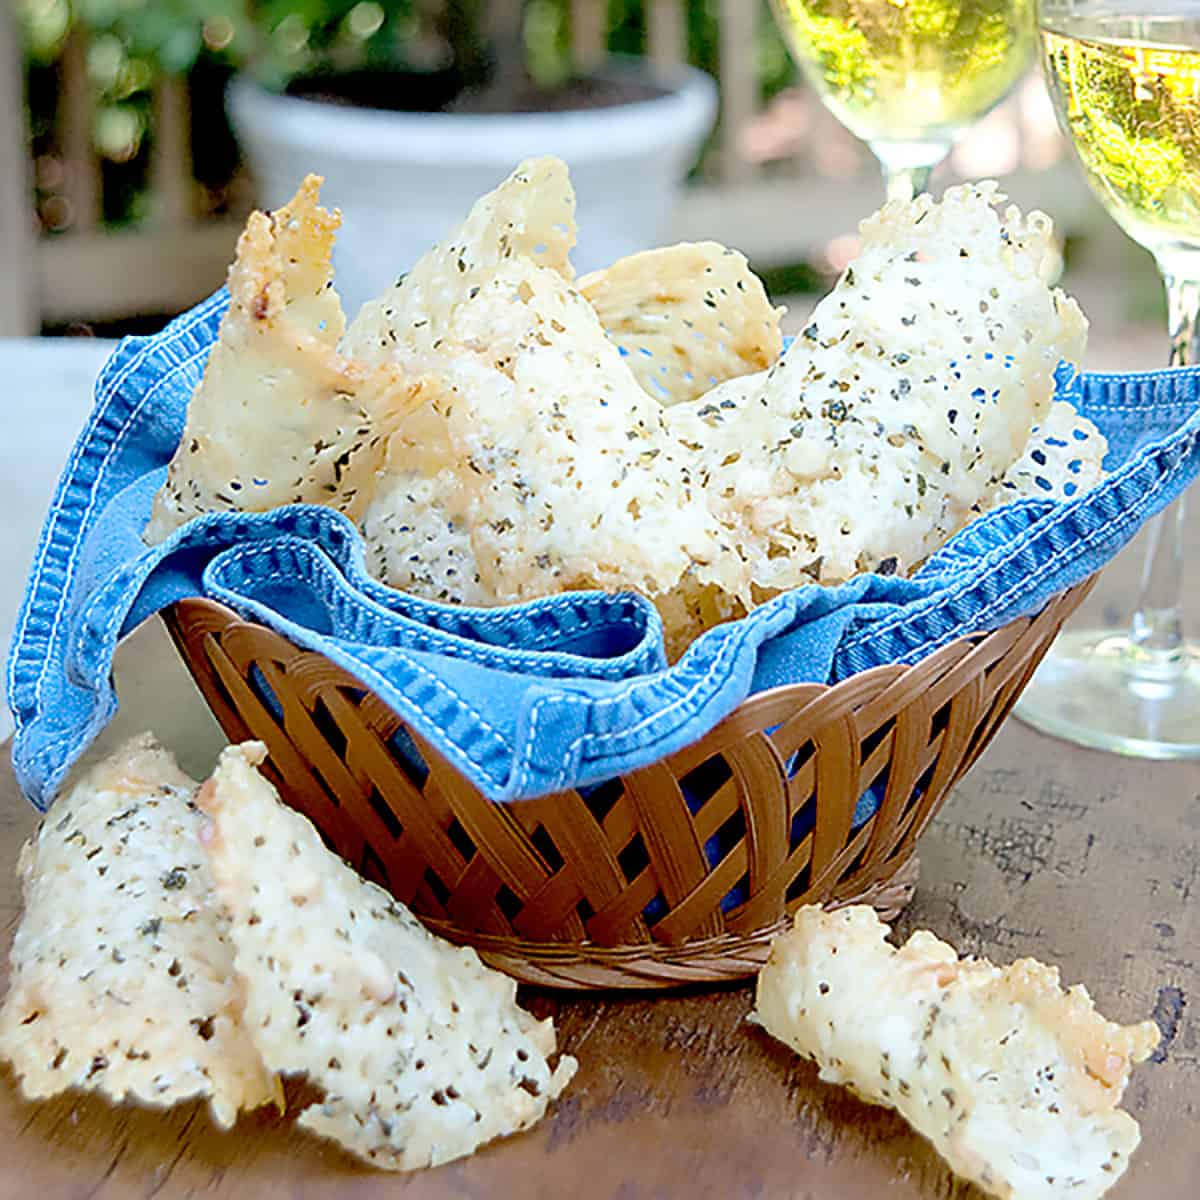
x=918, y=395
x=541, y=465
x=530, y=217
x=906, y=399
x=687, y=317
x=420, y=1050
x=122, y=973
x=1014, y=1080
x=502, y=433
x=163, y=956
x=280, y=416
x=558, y=468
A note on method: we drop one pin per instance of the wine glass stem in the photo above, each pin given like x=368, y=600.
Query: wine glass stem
x=1183, y=312
x=1157, y=634
x=908, y=165
x=904, y=183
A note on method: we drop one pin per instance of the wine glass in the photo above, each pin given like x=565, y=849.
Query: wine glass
x=1125, y=79
x=909, y=76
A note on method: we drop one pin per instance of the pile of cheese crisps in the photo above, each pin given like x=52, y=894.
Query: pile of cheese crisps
x=184, y=942
x=502, y=430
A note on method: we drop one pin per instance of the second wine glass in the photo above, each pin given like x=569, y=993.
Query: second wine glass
x=1125, y=79
x=909, y=78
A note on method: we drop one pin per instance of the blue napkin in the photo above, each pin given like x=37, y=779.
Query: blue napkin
x=559, y=693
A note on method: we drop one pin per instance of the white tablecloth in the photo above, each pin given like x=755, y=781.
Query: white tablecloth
x=47, y=396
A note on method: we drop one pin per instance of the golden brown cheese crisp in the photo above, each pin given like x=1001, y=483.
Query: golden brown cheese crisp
x=280, y=416
x=1015, y=1080
x=687, y=317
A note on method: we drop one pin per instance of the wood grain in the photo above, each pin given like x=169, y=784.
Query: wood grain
x=1081, y=859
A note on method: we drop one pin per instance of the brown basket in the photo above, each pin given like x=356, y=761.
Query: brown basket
x=678, y=873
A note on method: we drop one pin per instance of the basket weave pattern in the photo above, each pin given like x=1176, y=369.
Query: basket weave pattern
x=677, y=873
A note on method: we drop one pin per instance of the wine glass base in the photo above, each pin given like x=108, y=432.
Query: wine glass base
x=1088, y=691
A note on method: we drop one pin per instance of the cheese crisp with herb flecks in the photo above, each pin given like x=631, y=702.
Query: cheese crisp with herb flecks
x=122, y=971
x=1015, y=1080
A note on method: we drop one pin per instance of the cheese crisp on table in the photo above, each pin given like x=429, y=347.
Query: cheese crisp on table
x=165, y=956
x=1014, y=1080
x=122, y=971
x=421, y=1050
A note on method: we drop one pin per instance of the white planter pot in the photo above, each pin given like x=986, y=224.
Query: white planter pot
x=403, y=180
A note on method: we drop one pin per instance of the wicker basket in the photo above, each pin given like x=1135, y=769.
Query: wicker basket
x=679, y=873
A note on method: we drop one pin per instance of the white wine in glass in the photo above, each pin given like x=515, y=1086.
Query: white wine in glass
x=909, y=76
x=1125, y=79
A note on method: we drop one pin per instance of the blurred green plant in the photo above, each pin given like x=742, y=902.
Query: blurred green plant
x=133, y=42
x=132, y=39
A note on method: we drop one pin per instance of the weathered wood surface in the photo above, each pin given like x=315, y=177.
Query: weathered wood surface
x=1082, y=859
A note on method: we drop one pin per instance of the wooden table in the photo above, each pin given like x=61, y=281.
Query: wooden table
x=1082, y=859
